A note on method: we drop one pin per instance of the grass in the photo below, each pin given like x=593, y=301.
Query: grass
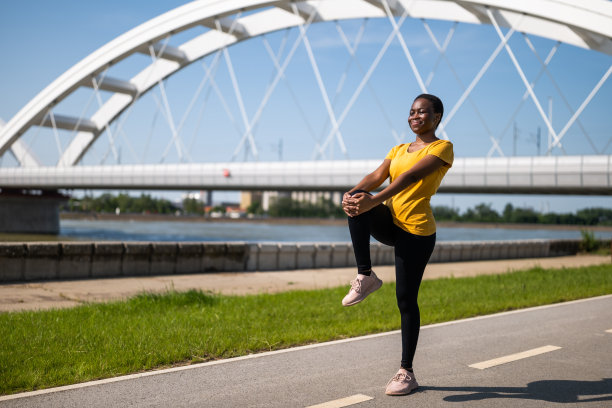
x=58, y=347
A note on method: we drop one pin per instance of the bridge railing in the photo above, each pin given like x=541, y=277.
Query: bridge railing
x=550, y=174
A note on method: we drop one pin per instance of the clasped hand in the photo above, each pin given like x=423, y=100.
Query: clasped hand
x=356, y=204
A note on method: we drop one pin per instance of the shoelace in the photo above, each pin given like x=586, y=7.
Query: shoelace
x=356, y=285
x=400, y=377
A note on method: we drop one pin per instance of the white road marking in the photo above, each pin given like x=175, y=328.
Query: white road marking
x=513, y=357
x=609, y=331
x=343, y=402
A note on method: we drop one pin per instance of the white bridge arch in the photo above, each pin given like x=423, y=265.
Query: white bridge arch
x=587, y=24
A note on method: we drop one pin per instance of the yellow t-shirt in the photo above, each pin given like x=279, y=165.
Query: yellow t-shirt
x=410, y=208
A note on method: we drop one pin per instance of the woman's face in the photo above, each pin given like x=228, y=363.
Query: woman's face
x=422, y=118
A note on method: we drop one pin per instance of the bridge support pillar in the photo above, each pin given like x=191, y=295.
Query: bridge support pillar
x=30, y=212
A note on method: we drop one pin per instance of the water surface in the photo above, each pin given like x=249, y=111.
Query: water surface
x=98, y=230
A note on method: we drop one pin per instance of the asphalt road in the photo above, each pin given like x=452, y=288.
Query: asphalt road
x=552, y=356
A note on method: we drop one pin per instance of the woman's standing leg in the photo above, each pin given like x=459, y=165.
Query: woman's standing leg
x=412, y=252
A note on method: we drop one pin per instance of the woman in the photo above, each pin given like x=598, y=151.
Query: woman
x=405, y=221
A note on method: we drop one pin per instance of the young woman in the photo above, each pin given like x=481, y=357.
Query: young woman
x=400, y=216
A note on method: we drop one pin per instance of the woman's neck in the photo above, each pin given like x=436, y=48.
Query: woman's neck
x=426, y=138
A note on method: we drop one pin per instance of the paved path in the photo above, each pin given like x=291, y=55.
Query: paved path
x=540, y=357
x=44, y=295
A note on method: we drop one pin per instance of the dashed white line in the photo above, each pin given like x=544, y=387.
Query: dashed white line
x=609, y=331
x=514, y=357
x=343, y=402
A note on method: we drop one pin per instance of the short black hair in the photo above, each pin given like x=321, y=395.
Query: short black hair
x=438, y=107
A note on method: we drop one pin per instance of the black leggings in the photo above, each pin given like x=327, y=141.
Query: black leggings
x=412, y=253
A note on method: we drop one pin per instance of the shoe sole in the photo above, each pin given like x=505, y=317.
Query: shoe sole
x=374, y=289
x=397, y=394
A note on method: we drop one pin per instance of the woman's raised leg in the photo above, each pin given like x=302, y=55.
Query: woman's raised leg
x=378, y=223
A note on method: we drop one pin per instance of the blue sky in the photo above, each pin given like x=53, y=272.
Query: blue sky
x=42, y=39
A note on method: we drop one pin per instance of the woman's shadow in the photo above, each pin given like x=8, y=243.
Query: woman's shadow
x=562, y=391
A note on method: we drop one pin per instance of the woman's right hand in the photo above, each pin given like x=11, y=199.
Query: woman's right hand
x=347, y=204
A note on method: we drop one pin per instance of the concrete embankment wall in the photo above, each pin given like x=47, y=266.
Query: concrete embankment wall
x=78, y=260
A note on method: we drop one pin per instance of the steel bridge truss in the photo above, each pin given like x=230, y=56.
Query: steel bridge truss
x=587, y=25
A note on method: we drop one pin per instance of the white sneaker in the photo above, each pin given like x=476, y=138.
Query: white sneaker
x=361, y=287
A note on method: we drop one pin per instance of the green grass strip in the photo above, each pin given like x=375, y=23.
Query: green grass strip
x=58, y=347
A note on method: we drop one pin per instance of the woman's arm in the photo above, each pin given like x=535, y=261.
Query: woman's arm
x=368, y=183
x=360, y=203
x=374, y=179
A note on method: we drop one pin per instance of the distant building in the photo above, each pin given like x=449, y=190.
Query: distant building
x=265, y=197
x=205, y=196
x=249, y=197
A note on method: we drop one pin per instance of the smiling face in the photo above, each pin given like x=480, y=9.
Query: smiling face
x=422, y=117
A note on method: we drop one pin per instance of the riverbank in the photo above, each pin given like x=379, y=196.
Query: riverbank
x=306, y=221
x=37, y=261
x=53, y=294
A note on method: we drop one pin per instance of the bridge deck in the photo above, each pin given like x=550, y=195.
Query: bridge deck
x=551, y=174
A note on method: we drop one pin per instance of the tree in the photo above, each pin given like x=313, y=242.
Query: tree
x=255, y=208
x=524, y=216
x=482, y=213
x=218, y=209
x=595, y=216
x=444, y=213
x=192, y=206
x=508, y=212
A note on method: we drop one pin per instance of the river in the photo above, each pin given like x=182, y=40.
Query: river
x=274, y=231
